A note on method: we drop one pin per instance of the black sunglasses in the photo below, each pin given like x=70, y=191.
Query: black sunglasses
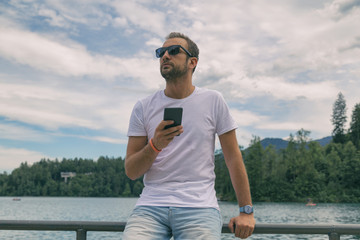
x=172, y=50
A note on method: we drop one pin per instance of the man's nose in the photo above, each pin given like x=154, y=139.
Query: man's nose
x=166, y=55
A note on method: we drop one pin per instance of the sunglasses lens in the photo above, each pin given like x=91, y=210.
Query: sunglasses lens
x=172, y=50
x=160, y=52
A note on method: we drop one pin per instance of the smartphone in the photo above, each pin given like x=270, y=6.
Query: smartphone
x=174, y=114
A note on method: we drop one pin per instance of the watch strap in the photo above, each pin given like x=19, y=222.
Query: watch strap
x=248, y=209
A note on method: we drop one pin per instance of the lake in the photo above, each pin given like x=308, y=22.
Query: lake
x=118, y=209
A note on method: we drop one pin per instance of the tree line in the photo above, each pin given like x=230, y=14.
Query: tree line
x=102, y=178
x=304, y=169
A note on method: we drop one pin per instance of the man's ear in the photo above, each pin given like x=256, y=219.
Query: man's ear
x=193, y=62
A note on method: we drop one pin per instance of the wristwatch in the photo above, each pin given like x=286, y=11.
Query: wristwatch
x=248, y=209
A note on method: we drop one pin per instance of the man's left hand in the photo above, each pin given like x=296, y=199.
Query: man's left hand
x=243, y=225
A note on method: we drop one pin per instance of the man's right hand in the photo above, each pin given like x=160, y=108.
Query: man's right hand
x=162, y=137
x=140, y=155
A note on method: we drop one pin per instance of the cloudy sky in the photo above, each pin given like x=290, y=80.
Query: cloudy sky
x=71, y=71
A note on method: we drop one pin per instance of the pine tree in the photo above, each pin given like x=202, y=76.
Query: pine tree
x=354, y=131
x=339, y=119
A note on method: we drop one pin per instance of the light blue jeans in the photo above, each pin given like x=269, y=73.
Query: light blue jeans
x=160, y=223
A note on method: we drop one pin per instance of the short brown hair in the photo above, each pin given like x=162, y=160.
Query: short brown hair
x=193, y=48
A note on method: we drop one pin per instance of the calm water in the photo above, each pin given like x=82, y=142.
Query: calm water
x=118, y=209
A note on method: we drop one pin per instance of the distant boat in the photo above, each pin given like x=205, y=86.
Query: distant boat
x=310, y=203
x=16, y=199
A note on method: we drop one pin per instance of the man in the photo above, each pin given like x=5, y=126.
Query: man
x=179, y=198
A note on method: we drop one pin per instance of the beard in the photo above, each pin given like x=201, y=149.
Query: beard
x=174, y=73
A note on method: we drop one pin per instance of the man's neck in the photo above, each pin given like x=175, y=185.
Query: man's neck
x=179, y=89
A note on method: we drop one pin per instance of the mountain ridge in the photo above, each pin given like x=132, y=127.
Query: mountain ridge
x=280, y=143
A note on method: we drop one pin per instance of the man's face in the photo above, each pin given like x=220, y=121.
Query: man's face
x=174, y=66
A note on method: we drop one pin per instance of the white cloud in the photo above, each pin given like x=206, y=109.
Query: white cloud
x=141, y=16
x=120, y=22
x=63, y=107
x=341, y=8
x=44, y=106
x=281, y=89
x=246, y=118
x=44, y=54
x=154, y=42
x=67, y=58
x=14, y=132
x=53, y=18
x=11, y=158
x=307, y=40
x=290, y=126
x=105, y=139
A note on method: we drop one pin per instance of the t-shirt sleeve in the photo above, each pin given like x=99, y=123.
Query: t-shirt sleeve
x=224, y=121
x=136, y=124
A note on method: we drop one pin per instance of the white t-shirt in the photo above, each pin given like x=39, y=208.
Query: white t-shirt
x=183, y=175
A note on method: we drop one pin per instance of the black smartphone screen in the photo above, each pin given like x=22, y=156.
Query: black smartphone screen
x=174, y=114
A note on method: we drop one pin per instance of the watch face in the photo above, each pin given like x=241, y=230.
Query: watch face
x=248, y=209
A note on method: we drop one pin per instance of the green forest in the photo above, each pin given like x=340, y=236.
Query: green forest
x=304, y=169
x=102, y=178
